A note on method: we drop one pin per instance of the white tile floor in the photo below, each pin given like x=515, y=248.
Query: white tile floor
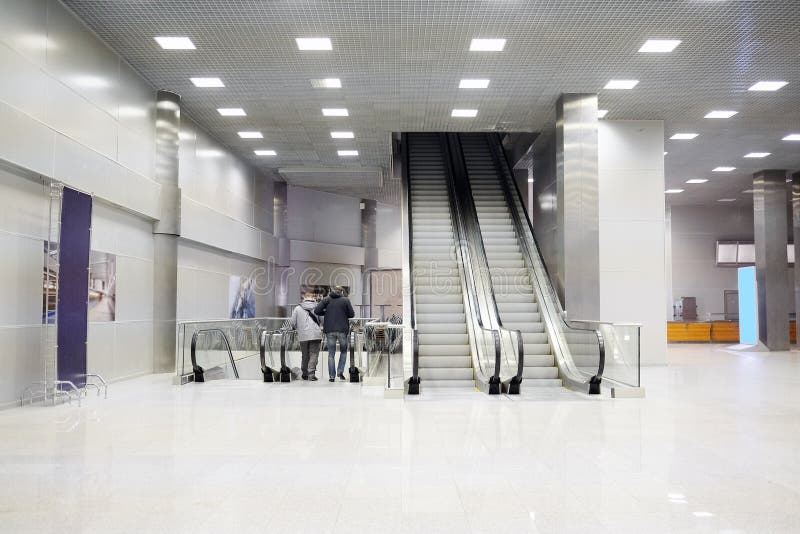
x=715, y=447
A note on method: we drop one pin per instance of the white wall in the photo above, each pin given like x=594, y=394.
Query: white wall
x=23, y=228
x=73, y=110
x=224, y=202
x=631, y=223
x=323, y=217
x=124, y=348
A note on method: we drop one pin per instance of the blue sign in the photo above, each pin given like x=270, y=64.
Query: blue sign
x=748, y=306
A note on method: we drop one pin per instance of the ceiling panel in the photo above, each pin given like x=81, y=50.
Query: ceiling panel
x=400, y=62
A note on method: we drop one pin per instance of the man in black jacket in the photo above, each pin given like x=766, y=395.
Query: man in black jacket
x=336, y=310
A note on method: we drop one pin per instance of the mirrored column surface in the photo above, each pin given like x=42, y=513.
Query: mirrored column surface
x=770, y=225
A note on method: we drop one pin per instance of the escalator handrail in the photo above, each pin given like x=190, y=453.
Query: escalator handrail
x=405, y=177
x=501, y=162
x=468, y=199
x=462, y=246
x=196, y=368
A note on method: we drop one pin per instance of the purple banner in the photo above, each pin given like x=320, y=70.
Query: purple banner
x=73, y=285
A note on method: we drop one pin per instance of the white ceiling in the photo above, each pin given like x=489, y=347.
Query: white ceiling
x=400, y=62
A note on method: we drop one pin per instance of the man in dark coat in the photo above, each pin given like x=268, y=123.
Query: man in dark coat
x=336, y=311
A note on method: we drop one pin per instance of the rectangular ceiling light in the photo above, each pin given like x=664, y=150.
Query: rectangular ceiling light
x=326, y=83
x=209, y=153
x=659, y=45
x=342, y=135
x=265, y=153
x=696, y=181
x=314, y=43
x=720, y=114
x=723, y=169
x=207, y=82
x=347, y=153
x=621, y=84
x=601, y=113
x=792, y=137
x=673, y=191
x=757, y=154
x=487, y=45
x=464, y=113
x=251, y=135
x=727, y=200
x=175, y=43
x=335, y=112
x=468, y=83
x=684, y=136
x=767, y=86
x=231, y=112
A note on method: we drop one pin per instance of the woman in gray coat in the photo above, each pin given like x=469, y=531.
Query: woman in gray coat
x=309, y=334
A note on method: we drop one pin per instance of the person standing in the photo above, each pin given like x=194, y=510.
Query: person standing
x=337, y=311
x=309, y=334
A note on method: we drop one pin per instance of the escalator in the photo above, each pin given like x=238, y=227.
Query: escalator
x=438, y=292
x=513, y=288
x=556, y=352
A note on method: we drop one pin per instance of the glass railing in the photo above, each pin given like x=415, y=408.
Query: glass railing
x=222, y=348
x=587, y=351
x=383, y=353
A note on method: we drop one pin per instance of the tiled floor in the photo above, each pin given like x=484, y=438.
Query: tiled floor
x=715, y=447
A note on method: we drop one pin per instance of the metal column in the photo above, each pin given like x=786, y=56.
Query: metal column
x=578, y=204
x=770, y=222
x=280, y=226
x=369, y=240
x=796, y=231
x=166, y=231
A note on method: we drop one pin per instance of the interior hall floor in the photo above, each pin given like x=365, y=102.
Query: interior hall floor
x=714, y=447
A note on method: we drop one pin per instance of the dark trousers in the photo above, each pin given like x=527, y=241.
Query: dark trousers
x=310, y=355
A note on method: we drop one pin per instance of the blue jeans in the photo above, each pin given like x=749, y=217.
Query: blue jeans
x=343, y=340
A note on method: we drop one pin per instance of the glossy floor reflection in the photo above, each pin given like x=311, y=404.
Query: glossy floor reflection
x=715, y=447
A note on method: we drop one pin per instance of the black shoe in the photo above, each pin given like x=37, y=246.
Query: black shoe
x=341, y=376
x=313, y=378
x=304, y=377
x=331, y=380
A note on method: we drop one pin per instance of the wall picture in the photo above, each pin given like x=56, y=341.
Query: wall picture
x=102, y=287
x=241, y=297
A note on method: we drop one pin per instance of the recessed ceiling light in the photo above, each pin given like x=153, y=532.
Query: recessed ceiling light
x=487, y=45
x=464, y=113
x=723, y=169
x=207, y=82
x=347, y=153
x=601, y=113
x=659, y=45
x=696, y=181
x=702, y=514
x=231, y=112
x=314, y=43
x=727, y=200
x=767, y=86
x=265, y=153
x=665, y=153
x=335, y=112
x=621, y=84
x=757, y=154
x=684, y=136
x=327, y=83
x=792, y=137
x=748, y=191
x=720, y=114
x=209, y=153
x=342, y=135
x=251, y=135
x=530, y=180
x=175, y=43
x=673, y=191
x=467, y=83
